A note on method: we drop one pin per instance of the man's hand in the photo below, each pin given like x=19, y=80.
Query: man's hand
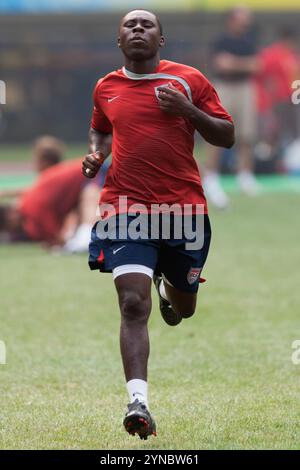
x=173, y=101
x=92, y=163
x=215, y=131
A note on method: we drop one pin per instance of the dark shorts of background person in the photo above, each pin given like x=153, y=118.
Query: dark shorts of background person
x=181, y=267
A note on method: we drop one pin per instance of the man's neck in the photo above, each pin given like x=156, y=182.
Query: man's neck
x=147, y=66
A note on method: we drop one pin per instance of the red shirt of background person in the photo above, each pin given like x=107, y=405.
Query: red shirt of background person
x=153, y=159
x=279, y=68
x=46, y=204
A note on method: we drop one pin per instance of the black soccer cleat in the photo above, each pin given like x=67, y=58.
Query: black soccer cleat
x=139, y=421
x=170, y=317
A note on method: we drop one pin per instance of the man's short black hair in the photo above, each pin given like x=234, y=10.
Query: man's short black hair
x=157, y=19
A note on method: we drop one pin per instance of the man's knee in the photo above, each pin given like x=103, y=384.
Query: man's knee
x=134, y=306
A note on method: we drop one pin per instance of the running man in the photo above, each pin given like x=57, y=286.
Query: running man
x=152, y=108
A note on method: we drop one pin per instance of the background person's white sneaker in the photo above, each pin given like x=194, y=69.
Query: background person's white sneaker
x=79, y=243
x=248, y=183
x=214, y=191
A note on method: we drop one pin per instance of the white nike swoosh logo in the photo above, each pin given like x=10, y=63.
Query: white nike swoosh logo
x=116, y=251
x=111, y=99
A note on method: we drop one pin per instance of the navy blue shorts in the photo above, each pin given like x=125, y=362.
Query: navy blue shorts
x=180, y=265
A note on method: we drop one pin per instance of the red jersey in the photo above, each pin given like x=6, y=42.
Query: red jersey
x=45, y=205
x=152, y=151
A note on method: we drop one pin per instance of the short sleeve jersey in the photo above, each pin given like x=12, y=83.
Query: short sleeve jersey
x=152, y=151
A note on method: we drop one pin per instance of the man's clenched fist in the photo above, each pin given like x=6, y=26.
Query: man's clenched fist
x=92, y=163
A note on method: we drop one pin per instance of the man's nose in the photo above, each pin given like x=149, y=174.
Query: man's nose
x=138, y=28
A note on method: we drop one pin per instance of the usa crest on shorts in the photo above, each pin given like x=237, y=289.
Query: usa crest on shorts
x=193, y=275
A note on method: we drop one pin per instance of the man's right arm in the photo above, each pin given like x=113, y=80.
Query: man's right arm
x=99, y=142
x=99, y=148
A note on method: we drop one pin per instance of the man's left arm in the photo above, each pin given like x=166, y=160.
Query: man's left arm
x=216, y=131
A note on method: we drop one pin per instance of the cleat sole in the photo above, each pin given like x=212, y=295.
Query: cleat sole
x=139, y=421
x=137, y=425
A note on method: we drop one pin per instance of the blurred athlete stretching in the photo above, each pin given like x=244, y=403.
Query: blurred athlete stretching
x=152, y=108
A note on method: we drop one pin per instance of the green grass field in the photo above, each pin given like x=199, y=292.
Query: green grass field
x=223, y=379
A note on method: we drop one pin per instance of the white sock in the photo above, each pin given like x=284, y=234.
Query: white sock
x=138, y=389
x=162, y=290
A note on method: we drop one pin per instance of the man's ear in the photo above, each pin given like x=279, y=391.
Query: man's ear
x=119, y=42
x=162, y=41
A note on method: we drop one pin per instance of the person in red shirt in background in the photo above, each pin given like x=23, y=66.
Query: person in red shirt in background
x=59, y=208
x=46, y=152
x=279, y=67
x=45, y=207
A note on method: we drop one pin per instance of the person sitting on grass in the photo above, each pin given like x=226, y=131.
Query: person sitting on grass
x=58, y=210
x=47, y=151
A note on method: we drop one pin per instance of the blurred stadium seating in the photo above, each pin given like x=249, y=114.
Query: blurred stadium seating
x=51, y=62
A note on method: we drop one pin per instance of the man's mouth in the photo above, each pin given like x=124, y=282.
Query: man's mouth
x=137, y=39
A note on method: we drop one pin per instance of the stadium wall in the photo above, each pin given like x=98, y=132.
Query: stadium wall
x=50, y=63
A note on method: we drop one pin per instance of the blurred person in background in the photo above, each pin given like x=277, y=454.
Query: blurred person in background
x=234, y=65
x=47, y=151
x=59, y=209
x=279, y=67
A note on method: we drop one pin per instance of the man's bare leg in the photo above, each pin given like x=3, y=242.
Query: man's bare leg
x=174, y=304
x=134, y=292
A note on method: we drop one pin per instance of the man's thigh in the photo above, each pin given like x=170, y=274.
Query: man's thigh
x=107, y=254
x=134, y=290
x=182, y=267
